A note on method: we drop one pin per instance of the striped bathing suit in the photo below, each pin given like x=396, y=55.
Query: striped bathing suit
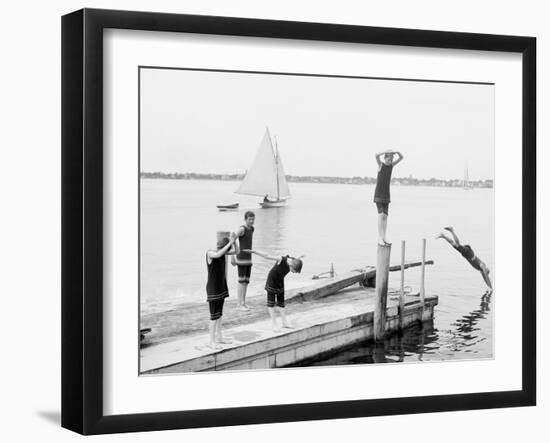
x=275, y=284
x=216, y=286
x=244, y=259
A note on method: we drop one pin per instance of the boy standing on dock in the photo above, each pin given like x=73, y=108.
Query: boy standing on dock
x=244, y=259
x=216, y=286
x=275, y=285
x=386, y=162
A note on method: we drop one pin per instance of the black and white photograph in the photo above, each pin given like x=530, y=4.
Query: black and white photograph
x=293, y=220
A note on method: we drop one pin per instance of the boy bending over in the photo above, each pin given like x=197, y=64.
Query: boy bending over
x=275, y=285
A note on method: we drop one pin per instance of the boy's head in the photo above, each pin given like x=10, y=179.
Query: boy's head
x=249, y=218
x=388, y=158
x=222, y=242
x=296, y=265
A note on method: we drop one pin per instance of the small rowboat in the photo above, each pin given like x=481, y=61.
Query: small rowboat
x=232, y=207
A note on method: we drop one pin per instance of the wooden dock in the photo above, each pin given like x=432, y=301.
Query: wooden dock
x=322, y=324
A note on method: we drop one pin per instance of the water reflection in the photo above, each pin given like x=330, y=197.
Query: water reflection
x=420, y=342
x=272, y=224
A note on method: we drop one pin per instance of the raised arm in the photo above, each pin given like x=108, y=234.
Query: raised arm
x=400, y=157
x=220, y=252
x=377, y=157
x=237, y=249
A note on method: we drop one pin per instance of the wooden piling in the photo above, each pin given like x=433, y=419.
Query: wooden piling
x=402, y=294
x=423, y=270
x=382, y=274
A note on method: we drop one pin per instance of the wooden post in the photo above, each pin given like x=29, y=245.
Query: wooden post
x=402, y=294
x=332, y=270
x=382, y=274
x=423, y=272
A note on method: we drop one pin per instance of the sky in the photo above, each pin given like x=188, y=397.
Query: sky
x=213, y=122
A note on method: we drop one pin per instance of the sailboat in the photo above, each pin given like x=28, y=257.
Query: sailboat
x=266, y=176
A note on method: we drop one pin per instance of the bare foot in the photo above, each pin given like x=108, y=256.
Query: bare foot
x=214, y=346
x=448, y=228
x=276, y=329
x=224, y=341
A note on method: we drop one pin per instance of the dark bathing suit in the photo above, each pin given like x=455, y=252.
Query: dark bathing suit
x=275, y=284
x=467, y=252
x=216, y=286
x=382, y=190
x=244, y=259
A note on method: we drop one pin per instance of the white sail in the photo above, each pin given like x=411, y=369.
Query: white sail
x=284, y=191
x=266, y=175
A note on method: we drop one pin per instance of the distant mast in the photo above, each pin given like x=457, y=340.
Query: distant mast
x=277, y=165
x=466, y=184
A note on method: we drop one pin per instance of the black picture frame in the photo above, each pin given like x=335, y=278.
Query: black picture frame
x=82, y=220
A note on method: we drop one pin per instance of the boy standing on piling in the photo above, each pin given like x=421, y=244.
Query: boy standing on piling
x=216, y=286
x=244, y=259
x=386, y=162
x=275, y=285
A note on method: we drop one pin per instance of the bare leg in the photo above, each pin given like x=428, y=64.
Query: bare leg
x=245, y=287
x=283, y=318
x=212, y=330
x=452, y=231
x=273, y=319
x=219, y=336
x=382, y=228
x=240, y=301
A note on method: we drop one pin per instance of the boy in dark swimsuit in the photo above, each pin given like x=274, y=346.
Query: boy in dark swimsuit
x=467, y=252
x=386, y=162
x=243, y=259
x=275, y=285
x=216, y=286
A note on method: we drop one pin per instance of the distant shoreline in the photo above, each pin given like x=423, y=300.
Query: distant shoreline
x=403, y=181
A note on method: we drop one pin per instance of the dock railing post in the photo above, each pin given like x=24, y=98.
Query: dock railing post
x=382, y=274
x=422, y=275
x=402, y=294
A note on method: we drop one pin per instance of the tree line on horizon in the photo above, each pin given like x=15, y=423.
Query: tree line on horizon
x=405, y=181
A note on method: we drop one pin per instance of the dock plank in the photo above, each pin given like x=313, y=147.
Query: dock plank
x=325, y=323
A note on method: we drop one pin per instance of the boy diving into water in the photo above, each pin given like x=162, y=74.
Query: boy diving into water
x=386, y=162
x=275, y=285
x=467, y=252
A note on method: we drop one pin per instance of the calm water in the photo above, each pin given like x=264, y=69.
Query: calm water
x=329, y=223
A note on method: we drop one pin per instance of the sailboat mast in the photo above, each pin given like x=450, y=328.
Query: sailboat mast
x=277, y=165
